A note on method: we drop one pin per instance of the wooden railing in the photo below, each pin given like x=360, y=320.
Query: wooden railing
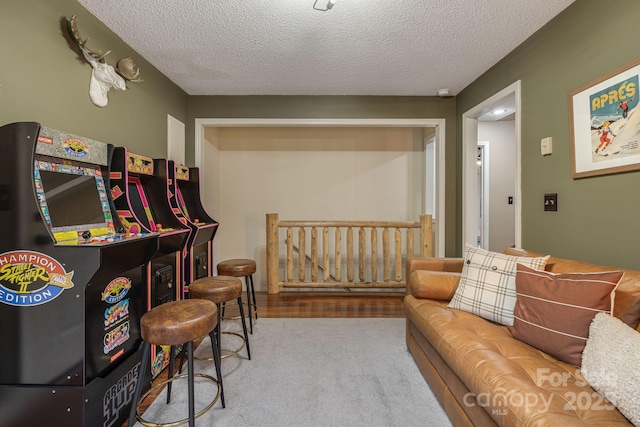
x=379, y=265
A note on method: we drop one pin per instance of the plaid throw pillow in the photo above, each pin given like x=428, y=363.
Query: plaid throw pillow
x=488, y=283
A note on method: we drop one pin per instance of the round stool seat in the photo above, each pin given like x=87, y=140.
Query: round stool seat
x=177, y=322
x=237, y=267
x=217, y=289
x=220, y=290
x=242, y=267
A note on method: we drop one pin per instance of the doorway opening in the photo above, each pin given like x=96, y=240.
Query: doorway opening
x=206, y=159
x=479, y=209
x=483, y=169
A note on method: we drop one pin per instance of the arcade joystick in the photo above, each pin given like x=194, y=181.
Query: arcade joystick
x=86, y=235
x=197, y=221
x=158, y=227
x=120, y=230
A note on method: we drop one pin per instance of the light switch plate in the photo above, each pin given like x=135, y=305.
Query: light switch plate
x=551, y=202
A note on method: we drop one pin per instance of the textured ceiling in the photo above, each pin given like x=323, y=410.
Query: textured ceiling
x=359, y=47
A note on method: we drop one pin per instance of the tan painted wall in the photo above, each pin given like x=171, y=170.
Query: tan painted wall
x=309, y=173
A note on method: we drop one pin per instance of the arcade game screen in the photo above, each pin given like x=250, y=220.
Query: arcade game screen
x=72, y=198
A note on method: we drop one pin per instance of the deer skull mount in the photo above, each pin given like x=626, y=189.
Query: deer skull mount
x=103, y=76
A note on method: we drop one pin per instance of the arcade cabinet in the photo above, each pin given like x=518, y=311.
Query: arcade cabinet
x=140, y=193
x=184, y=195
x=72, y=285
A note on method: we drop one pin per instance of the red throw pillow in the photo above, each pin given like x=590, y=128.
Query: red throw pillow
x=553, y=311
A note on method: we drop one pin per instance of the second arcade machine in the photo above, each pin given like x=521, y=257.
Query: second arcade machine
x=185, y=201
x=139, y=188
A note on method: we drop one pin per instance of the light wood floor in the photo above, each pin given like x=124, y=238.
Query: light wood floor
x=316, y=304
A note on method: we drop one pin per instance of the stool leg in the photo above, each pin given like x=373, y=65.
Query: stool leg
x=246, y=283
x=192, y=410
x=181, y=360
x=244, y=326
x=172, y=360
x=253, y=295
x=217, y=331
x=218, y=361
x=136, y=396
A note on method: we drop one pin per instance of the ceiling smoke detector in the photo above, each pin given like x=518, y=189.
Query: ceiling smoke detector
x=329, y=6
x=442, y=93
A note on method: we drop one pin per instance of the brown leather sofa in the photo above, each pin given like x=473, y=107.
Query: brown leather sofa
x=481, y=374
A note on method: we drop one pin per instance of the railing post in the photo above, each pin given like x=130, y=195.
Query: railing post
x=426, y=236
x=273, y=255
x=362, y=253
x=314, y=254
x=374, y=254
x=398, y=248
x=350, y=266
x=326, y=274
x=289, y=260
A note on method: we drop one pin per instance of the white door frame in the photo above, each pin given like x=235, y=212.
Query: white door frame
x=438, y=124
x=485, y=193
x=470, y=208
x=175, y=140
x=430, y=175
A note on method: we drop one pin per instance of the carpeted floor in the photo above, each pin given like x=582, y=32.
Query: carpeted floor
x=312, y=372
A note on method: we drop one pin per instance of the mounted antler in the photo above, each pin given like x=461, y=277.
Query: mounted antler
x=103, y=76
x=72, y=24
x=129, y=70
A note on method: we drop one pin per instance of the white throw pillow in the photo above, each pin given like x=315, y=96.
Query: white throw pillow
x=611, y=364
x=488, y=283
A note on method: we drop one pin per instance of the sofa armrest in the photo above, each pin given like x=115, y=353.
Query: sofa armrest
x=433, y=278
x=438, y=285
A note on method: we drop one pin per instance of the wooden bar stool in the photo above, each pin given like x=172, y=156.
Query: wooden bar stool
x=221, y=289
x=241, y=267
x=175, y=323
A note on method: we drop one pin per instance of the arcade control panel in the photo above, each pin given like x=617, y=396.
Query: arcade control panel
x=86, y=238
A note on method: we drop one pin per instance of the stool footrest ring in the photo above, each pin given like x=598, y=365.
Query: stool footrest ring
x=236, y=351
x=179, y=422
x=246, y=315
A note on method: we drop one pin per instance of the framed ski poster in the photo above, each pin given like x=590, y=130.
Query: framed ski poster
x=604, y=124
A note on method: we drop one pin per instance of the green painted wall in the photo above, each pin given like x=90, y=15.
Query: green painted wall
x=598, y=217
x=339, y=107
x=42, y=80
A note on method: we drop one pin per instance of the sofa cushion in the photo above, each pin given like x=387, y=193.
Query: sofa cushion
x=610, y=364
x=487, y=285
x=553, y=311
